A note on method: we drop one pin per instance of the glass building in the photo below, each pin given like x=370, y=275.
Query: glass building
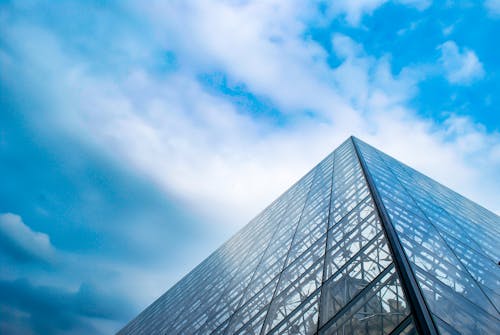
x=362, y=244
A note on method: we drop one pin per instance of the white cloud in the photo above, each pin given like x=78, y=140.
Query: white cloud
x=493, y=6
x=460, y=66
x=199, y=147
x=353, y=11
x=264, y=36
x=345, y=47
x=410, y=28
x=448, y=30
x=418, y=4
x=22, y=241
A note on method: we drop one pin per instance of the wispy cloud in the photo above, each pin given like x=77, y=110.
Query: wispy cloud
x=493, y=6
x=31, y=309
x=353, y=11
x=460, y=66
x=21, y=242
x=196, y=144
x=44, y=303
x=206, y=151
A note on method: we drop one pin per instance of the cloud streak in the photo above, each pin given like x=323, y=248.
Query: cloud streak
x=21, y=242
x=51, y=310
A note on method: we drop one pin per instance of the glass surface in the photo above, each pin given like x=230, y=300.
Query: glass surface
x=378, y=309
x=317, y=261
x=452, y=245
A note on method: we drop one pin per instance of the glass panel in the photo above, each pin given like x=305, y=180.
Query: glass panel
x=303, y=321
x=377, y=309
x=451, y=243
x=293, y=296
x=316, y=254
x=347, y=240
x=252, y=308
x=354, y=277
x=409, y=329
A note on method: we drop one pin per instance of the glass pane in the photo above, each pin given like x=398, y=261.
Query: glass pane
x=378, y=309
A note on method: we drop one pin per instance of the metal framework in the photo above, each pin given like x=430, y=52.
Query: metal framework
x=362, y=244
x=422, y=317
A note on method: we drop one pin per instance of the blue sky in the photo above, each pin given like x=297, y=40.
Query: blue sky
x=135, y=138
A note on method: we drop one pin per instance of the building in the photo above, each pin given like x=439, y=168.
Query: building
x=362, y=244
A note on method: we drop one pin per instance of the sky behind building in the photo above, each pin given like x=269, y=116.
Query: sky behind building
x=135, y=138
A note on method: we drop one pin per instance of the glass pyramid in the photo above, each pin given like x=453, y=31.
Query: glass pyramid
x=362, y=244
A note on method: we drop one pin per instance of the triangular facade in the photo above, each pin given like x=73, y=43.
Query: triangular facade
x=362, y=244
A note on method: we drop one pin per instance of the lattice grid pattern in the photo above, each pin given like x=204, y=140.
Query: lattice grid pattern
x=317, y=260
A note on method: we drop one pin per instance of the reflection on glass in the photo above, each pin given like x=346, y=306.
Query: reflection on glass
x=317, y=260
